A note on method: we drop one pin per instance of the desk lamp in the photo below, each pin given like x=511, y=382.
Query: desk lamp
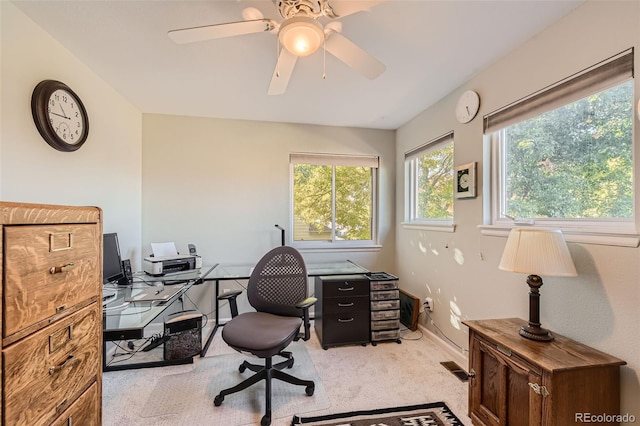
x=537, y=251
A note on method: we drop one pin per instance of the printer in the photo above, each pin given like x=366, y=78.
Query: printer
x=161, y=265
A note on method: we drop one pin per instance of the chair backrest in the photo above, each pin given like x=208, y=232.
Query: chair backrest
x=278, y=282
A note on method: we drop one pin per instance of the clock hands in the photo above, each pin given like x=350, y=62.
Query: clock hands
x=60, y=115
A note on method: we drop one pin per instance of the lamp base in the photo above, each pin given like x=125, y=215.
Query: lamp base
x=535, y=332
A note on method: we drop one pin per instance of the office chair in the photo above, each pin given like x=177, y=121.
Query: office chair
x=277, y=290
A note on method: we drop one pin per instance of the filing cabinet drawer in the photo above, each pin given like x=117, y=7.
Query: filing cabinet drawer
x=84, y=411
x=45, y=372
x=346, y=304
x=346, y=287
x=48, y=268
x=346, y=328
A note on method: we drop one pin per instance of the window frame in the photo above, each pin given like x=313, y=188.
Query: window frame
x=411, y=221
x=609, y=231
x=334, y=160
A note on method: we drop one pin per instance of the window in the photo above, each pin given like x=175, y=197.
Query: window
x=564, y=156
x=333, y=199
x=429, y=182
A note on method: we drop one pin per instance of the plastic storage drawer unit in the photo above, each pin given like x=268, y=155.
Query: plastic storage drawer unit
x=385, y=307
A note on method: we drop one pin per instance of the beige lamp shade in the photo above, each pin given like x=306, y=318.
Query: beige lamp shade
x=537, y=251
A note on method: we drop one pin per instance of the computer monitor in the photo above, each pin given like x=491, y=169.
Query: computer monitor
x=111, y=263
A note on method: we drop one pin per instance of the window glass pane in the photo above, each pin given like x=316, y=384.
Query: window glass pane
x=573, y=162
x=312, y=194
x=434, y=184
x=353, y=203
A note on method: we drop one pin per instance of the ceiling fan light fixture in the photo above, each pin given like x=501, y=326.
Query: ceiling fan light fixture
x=301, y=35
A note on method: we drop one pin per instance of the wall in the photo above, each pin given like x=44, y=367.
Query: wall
x=105, y=172
x=223, y=184
x=460, y=270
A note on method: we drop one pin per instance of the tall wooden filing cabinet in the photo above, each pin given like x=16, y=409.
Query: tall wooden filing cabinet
x=519, y=382
x=52, y=315
x=342, y=310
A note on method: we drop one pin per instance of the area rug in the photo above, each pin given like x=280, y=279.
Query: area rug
x=187, y=398
x=436, y=413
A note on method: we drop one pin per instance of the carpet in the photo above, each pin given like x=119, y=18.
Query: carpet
x=436, y=413
x=187, y=398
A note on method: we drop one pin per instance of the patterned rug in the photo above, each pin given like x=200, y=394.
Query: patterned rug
x=436, y=413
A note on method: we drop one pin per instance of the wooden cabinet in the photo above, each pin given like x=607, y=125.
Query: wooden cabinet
x=519, y=382
x=52, y=315
x=342, y=310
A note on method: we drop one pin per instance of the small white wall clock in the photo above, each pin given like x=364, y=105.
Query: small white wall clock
x=465, y=180
x=467, y=106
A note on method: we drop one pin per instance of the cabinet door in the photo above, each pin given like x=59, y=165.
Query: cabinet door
x=500, y=393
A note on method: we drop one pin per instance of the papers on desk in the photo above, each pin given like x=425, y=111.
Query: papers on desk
x=164, y=249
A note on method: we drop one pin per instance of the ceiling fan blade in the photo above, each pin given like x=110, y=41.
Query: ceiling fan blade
x=282, y=73
x=348, y=7
x=352, y=55
x=208, y=32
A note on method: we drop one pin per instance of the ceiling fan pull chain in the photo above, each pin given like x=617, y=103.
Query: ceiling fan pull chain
x=324, y=59
x=277, y=56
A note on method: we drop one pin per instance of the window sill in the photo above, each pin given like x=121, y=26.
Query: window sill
x=621, y=238
x=333, y=248
x=437, y=227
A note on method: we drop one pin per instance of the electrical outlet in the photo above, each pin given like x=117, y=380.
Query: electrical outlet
x=428, y=304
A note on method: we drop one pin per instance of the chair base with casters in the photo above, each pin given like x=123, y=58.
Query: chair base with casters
x=267, y=342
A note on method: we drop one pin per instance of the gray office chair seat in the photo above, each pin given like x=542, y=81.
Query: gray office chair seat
x=274, y=334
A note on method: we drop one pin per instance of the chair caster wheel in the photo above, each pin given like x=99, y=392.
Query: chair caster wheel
x=290, y=363
x=309, y=390
x=218, y=400
x=242, y=368
x=265, y=421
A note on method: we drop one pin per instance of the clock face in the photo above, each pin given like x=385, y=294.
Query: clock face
x=65, y=117
x=463, y=180
x=59, y=115
x=467, y=106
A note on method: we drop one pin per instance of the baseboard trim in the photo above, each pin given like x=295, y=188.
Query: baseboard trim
x=460, y=358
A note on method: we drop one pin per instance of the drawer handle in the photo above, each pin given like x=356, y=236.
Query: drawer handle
x=345, y=289
x=345, y=320
x=345, y=305
x=59, y=269
x=540, y=390
x=57, y=368
x=504, y=350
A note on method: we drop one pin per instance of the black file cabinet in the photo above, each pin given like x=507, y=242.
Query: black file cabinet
x=342, y=310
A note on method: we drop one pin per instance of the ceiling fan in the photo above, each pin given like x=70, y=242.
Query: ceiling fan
x=301, y=33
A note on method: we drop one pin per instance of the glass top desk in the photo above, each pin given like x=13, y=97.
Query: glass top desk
x=126, y=315
x=222, y=272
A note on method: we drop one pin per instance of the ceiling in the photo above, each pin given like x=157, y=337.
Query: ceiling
x=429, y=48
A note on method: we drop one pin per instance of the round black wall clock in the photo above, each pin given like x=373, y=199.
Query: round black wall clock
x=59, y=115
